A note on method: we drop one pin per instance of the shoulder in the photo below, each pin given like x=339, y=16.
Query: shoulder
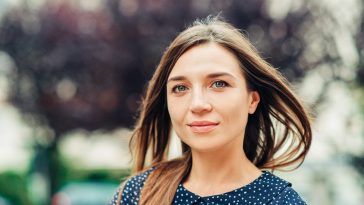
x=131, y=188
x=288, y=196
x=284, y=193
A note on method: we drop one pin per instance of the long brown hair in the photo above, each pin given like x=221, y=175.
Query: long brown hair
x=277, y=135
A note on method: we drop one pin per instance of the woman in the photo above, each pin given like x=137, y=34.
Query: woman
x=235, y=116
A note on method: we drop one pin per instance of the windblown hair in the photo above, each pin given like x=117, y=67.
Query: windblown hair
x=277, y=135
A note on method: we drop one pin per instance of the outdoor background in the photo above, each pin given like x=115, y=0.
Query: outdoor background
x=72, y=73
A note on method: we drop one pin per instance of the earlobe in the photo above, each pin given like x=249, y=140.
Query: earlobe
x=254, y=101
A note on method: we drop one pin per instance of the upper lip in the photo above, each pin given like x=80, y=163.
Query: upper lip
x=202, y=123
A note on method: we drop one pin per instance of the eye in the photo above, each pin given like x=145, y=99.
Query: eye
x=179, y=88
x=219, y=84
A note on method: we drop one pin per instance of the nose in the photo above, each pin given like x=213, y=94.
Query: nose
x=199, y=102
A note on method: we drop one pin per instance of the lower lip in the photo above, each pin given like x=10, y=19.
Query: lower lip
x=203, y=129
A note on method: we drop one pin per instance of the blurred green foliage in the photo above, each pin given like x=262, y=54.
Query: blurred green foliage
x=13, y=186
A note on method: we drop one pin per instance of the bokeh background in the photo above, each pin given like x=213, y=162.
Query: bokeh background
x=72, y=73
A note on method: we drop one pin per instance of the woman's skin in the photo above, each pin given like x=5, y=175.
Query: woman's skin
x=209, y=103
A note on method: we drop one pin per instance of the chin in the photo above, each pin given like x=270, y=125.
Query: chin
x=205, y=147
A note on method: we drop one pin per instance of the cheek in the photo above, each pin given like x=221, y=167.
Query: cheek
x=176, y=114
x=176, y=110
x=233, y=107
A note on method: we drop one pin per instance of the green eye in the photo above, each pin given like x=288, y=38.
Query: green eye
x=179, y=88
x=219, y=84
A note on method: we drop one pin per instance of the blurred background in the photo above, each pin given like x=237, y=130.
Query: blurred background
x=72, y=73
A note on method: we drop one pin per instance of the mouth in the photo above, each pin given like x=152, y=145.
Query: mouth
x=202, y=126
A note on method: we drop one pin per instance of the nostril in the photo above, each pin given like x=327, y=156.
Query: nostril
x=199, y=102
x=200, y=107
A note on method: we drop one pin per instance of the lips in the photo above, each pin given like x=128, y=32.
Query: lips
x=202, y=126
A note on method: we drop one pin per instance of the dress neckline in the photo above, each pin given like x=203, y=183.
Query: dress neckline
x=242, y=188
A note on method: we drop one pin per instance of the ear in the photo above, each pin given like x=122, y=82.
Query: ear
x=254, y=99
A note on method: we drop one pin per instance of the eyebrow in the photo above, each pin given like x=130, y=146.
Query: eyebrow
x=211, y=75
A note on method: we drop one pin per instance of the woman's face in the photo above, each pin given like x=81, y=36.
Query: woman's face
x=208, y=100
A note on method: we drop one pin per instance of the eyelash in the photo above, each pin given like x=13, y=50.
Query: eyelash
x=174, y=88
x=225, y=84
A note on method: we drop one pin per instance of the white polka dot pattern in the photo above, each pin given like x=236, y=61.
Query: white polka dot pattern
x=266, y=189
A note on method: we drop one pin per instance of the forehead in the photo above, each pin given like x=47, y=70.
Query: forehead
x=207, y=58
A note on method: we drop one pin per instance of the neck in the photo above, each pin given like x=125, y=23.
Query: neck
x=220, y=171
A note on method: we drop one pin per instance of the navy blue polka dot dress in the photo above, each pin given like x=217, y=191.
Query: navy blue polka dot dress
x=266, y=189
